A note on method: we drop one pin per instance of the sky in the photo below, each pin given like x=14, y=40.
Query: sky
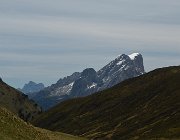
x=44, y=40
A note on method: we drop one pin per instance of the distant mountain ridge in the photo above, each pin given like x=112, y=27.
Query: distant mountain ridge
x=89, y=81
x=32, y=87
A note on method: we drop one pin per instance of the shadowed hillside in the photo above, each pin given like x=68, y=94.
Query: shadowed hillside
x=146, y=107
x=17, y=102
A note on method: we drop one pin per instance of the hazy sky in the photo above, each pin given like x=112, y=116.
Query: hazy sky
x=44, y=40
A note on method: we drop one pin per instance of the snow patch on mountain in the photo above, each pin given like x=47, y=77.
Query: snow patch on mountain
x=133, y=56
x=120, y=63
x=92, y=86
x=62, y=90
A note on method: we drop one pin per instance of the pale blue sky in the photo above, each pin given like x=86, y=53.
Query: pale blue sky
x=44, y=40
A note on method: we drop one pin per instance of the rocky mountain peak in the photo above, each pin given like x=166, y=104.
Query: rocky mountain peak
x=89, y=74
x=121, y=68
x=122, y=56
x=89, y=81
x=68, y=79
x=31, y=83
x=137, y=59
x=134, y=55
x=32, y=87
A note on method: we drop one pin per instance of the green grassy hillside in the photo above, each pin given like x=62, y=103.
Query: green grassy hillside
x=17, y=102
x=146, y=107
x=13, y=128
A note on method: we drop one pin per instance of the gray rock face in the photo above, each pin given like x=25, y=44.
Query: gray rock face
x=120, y=69
x=55, y=93
x=89, y=81
x=63, y=86
x=32, y=87
x=86, y=84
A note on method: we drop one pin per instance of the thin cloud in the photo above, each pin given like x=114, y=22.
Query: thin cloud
x=41, y=37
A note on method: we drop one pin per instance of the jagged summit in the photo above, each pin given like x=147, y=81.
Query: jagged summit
x=89, y=72
x=123, y=67
x=89, y=81
x=32, y=87
x=134, y=55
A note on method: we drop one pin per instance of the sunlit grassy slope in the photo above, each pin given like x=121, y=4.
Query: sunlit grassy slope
x=13, y=128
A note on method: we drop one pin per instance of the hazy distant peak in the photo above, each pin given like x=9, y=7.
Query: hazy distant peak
x=32, y=87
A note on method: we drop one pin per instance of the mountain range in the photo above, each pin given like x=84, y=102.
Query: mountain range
x=85, y=83
x=145, y=106
x=141, y=108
